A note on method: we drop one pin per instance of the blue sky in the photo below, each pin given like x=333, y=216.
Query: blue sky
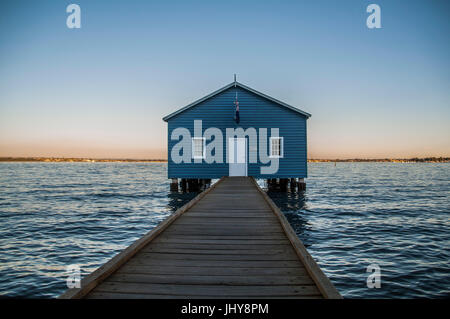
x=101, y=91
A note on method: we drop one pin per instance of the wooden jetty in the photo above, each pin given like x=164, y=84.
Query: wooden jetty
x=231, y=241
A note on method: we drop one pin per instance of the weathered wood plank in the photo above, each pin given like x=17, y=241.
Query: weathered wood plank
x=218, y=290
x=263, y=237
x=234, y=222
x=114, y=295
x=225, y=224
x=227, y=229
x=285, y=251
x=216, y=263
x=230, y=228
x=223, y=205
x=181, y=279
x=243, y=223
x=231, y=215
x=237, y=203
x=211, y=271
x=227, y=233
x=201, y=255
x=206, y=241
x=241, y=246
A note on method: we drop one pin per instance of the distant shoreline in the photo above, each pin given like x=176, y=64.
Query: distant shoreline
x=92, y=160
x=77, y=159
x=385, y=160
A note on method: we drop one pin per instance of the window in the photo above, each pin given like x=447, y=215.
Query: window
x=198, y=147
x=276, y=147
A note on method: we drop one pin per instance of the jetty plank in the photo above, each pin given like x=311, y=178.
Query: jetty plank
x=214, y=271
x=231, y=241
x=218, y=290
x=182, y=279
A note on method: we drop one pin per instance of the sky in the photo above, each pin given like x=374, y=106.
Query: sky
x=101, y=91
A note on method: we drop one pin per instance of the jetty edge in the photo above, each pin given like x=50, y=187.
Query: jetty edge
x=230, y=241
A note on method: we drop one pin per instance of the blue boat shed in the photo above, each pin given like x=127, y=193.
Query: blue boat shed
x=238, y=131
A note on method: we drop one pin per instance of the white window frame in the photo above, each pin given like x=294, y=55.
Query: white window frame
x=204, y=147
x=281, y=139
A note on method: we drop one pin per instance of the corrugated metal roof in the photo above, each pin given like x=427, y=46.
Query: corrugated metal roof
x=237, y=84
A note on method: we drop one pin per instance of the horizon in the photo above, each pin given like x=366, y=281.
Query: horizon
x=165, y=159
x=101, y=91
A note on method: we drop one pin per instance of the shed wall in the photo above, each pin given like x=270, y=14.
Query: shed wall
x=255, y=111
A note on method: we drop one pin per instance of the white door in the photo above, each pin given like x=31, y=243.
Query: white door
x=237, y=156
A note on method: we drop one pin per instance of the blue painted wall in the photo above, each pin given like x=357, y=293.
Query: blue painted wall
x=255, y=111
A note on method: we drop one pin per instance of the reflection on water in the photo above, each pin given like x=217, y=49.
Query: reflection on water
x=178, y=199
x=351, y=215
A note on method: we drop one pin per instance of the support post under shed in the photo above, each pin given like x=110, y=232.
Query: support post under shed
x=301, y=184
x=174, y=185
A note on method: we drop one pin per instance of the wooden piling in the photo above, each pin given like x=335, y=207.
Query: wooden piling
x=301, y=184
x=293, y=184
x=283, y=184
x=183, y=185
x=174, y=185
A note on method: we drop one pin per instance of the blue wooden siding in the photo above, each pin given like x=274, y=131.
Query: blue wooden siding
x=255, y=111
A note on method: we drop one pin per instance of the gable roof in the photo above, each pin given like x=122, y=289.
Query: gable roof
x=226, y=87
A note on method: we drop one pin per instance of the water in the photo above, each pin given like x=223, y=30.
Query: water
x=352, y=215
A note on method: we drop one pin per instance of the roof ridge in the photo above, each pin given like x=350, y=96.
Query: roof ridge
x=226, y=87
